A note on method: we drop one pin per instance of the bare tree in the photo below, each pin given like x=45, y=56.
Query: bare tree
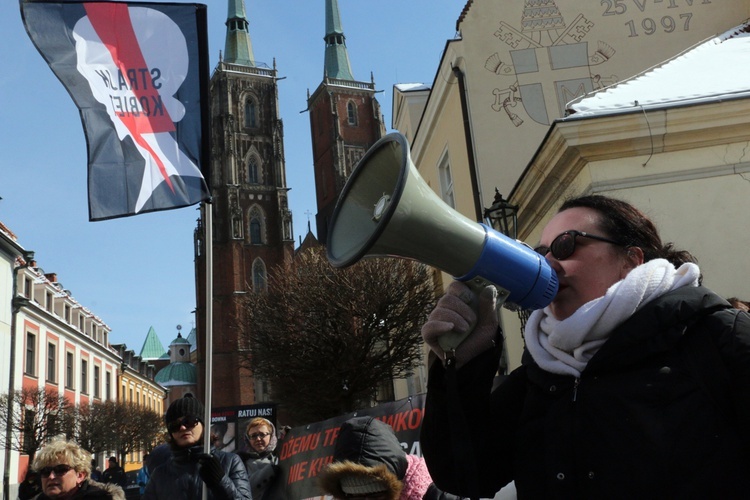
x=35, y=416
x=123, y=427
x=326, y=338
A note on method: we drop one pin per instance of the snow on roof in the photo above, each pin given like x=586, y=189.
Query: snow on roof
x=411, y=87
x=713, y=70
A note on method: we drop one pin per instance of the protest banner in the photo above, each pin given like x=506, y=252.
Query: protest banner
x=305, y=450
x=229, y=424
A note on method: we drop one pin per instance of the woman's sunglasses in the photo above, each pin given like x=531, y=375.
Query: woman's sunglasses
x=189, y=422
x=59, y=470
x=564, y=244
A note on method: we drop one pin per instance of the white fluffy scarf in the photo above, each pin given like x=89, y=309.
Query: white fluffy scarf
x=565, y=347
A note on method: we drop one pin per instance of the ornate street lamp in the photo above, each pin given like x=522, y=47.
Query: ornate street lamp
x=502, y=215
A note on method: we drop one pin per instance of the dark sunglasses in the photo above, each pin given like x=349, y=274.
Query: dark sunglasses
x=564, y=244
x=189, y=422
x=59, y=470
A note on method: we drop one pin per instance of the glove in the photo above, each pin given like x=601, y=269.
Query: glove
x=454, y=313
x=210, y=470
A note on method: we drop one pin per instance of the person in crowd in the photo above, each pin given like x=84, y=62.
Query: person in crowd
x=158, y=456
x=184, y=473
x=96, y=474
x=31, y=485
x=64, y=469
x=742, y=305
x=260, y=460
x=369, y=463
x=115, y=474
x=143, y=475
x=635, y=380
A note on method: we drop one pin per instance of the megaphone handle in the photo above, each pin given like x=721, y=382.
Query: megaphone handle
x=450, y=341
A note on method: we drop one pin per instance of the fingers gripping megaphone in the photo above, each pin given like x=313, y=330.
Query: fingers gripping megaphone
x=386, y=209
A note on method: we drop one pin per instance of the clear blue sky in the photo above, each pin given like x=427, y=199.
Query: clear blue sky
x=137, y=272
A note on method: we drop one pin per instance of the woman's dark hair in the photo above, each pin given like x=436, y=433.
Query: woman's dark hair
x=623, y=222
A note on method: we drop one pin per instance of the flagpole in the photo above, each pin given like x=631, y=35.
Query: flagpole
x=208, y=241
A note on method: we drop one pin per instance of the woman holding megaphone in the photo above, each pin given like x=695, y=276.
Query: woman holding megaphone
x=635, y=381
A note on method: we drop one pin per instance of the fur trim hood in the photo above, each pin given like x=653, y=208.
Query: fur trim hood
x=330, y=479
x=95, y=490
x=366, y=448
x=113, y=489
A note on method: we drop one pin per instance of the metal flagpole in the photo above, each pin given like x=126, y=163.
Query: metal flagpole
x=208, y=242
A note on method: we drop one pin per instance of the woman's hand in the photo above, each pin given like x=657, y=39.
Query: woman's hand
x=454, y=314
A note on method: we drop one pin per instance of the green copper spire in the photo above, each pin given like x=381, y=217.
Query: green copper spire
x=152, y=347
x=238, y=49
x=337, y=58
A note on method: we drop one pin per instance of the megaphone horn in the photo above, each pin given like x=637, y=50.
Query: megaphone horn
x=386, y=209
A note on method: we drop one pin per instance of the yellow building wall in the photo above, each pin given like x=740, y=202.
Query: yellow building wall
x=507, y=64
x=146, y=394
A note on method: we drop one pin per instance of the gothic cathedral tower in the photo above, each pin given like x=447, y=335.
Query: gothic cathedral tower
x=252, y=223
x=345, y=121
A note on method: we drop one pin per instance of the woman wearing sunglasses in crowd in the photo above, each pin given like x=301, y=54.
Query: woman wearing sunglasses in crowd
x=64, y=469
x=259, y=458
x=183, y=475
x=635, y=380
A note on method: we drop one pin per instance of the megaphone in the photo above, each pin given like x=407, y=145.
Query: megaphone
x=386, y=209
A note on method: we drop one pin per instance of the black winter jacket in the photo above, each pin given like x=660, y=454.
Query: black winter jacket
x=660, y=411
x=178, y=477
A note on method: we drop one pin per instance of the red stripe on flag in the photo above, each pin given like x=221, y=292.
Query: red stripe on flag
x=112, y=24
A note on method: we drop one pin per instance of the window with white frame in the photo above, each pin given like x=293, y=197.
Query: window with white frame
x=446, y=181
x=30, y=368
x=51, y=362
x=69, y=370
x=84, y=376
x=97, y=381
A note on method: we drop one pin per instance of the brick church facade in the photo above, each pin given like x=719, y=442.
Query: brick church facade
x=251, y=224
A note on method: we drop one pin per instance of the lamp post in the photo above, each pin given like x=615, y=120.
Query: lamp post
x=16, y=303
x=502, y=215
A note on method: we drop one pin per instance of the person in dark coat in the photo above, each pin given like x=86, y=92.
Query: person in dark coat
x=635, y=380
x=260, y=460
x=31, y=485
x=115, y=474
x=368, y=462
x=183, y=474
x=64, y=469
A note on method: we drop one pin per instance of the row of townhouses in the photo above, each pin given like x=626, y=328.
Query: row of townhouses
x=50, y=341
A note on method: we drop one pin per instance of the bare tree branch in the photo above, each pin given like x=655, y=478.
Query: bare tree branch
x=326, y=338
x=35, y=416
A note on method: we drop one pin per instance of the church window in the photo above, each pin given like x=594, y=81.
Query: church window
x=351, y=113
x=260, y=283
x=251, y=113
x=253, y=175
x=255, y=233
x=256, y=225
